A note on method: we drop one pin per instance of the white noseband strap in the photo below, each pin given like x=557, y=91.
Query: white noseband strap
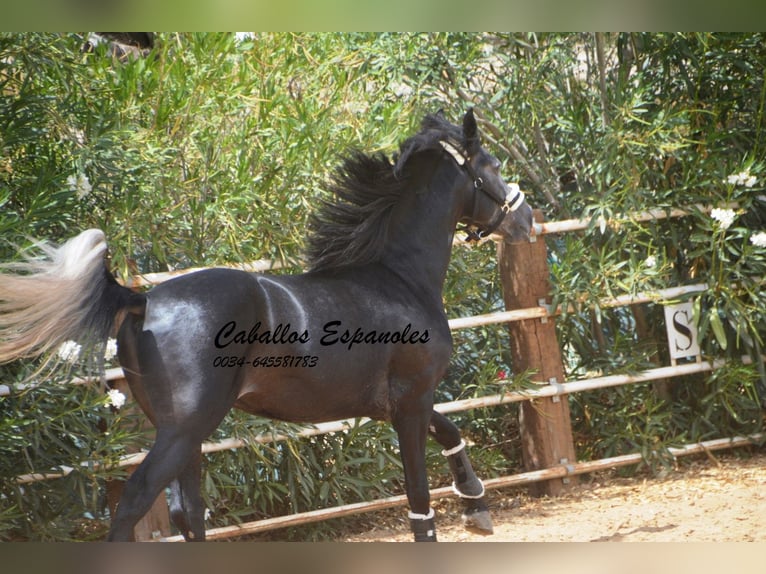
x=513, y=198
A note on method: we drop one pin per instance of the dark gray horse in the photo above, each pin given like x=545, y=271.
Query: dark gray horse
x=362, y=333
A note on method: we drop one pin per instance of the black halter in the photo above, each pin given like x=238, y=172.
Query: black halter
x=511, y=202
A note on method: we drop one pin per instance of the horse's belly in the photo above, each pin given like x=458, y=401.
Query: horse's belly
x=301, y=400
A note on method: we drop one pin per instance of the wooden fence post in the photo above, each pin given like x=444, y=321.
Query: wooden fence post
x=546, y=429
x=157, y=520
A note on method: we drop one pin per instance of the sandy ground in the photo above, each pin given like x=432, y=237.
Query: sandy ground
x=720, y=499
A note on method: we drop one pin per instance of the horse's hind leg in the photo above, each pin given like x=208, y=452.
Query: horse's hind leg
x=171, y=454
x=466, y=484
x=186, y=506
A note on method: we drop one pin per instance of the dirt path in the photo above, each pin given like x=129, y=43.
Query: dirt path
x=722, y=499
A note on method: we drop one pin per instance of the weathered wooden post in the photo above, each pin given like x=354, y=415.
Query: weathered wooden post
x=546, y=430
x=157, y=521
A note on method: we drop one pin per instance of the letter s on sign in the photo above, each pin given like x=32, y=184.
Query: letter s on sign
x=681, y=325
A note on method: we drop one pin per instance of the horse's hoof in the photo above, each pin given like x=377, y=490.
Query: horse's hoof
x=479, y=522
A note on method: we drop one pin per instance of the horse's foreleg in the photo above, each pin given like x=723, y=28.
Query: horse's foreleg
x=412, y=432
x=186, y=507
x=171, y=453
x=466, y=484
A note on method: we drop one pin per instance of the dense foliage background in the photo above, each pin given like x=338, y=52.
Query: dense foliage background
x=212, y=148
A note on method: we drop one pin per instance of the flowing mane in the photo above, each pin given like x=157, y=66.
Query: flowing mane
x=351, y=229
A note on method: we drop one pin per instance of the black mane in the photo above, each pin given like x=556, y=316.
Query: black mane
x=352, y=228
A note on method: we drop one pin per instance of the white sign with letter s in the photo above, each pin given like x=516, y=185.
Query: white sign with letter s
x=682, y=331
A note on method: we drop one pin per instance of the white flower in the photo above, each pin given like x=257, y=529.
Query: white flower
x=742, y=178
x=602, y=224
x=207, y=514
x=115, y=398
x=69, y=351
x=83, y=186
x=244, y=36
x=650, y=261
x=111, y=349
x=725, y=217
x=759, y=239
x=80, y=184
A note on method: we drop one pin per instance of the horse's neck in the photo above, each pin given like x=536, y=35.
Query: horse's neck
x=420, y=237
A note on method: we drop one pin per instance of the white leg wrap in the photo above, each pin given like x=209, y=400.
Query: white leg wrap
x=454, y=450
x=461, y=495
x=416, y=516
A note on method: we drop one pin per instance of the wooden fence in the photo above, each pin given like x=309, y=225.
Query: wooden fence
x=548, y=448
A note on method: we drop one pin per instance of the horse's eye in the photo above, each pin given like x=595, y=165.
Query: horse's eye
x=495, y=165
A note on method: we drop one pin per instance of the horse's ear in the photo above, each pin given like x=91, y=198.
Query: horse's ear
x=470, y=131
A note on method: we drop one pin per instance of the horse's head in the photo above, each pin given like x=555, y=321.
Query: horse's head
x=491, y=205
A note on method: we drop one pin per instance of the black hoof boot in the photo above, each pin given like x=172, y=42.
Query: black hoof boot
x=476, y=517
x=465, y=480
x=422, y=527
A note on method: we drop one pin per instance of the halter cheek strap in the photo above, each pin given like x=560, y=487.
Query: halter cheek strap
x=454, y=152
x=513, y=199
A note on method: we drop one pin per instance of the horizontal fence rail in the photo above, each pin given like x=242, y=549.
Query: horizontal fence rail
x=640, y=217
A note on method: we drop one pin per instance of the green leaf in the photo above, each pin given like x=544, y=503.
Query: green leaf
x=718, y=331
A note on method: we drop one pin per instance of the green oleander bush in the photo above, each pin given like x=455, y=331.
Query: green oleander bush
x=213, y=149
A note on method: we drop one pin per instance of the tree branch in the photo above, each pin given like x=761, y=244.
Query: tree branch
x=601, y=59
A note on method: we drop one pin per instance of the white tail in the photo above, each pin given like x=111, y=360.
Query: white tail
x=65, y=294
